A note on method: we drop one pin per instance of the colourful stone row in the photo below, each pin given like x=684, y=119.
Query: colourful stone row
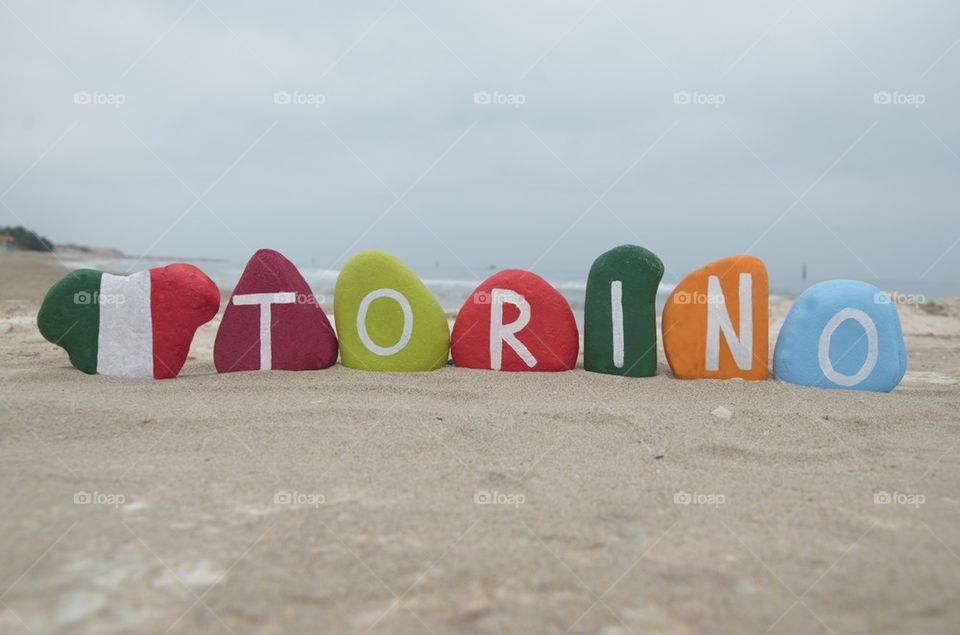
x=839, y=334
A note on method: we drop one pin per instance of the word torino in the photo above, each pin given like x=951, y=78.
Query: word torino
x=839, y=334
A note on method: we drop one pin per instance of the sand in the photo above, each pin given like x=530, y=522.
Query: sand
x=345, y=502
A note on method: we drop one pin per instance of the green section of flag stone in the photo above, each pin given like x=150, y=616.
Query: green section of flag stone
x=639, y=272
x=70, y=317
x=429, y=340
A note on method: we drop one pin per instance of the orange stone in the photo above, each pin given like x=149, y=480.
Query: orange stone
x=715, y=323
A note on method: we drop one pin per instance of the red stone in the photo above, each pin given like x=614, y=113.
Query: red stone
x=550, y=337
x=301, y=335
x=182, y=298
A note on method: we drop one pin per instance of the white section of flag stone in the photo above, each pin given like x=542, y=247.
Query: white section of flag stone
x=125, y=339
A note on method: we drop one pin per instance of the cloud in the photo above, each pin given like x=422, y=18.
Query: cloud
x=583, y=104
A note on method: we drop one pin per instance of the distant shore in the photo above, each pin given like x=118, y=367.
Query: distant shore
x=76, y=252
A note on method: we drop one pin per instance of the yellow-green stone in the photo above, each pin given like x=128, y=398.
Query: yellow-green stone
x=374, y=271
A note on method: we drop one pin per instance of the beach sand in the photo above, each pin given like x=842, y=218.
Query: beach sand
x=342, y=501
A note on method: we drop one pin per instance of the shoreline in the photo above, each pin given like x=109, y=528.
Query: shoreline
x=450, y=293
x=71, y=252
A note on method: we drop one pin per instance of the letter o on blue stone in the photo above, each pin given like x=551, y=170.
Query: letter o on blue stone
x=842, y=334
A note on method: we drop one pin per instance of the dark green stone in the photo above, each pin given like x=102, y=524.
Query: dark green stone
x=639, y=272
x=70, y=317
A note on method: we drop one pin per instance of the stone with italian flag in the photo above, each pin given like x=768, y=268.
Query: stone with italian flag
x=273, y=321
x=139, y=325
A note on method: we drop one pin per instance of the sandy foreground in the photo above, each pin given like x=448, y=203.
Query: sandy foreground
x=347, y=502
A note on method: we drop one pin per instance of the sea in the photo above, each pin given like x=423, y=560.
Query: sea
x=452, y=286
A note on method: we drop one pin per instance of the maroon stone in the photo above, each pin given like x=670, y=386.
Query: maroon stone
x=301, y=337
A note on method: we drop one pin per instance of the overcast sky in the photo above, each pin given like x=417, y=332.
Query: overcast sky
x=165, y=127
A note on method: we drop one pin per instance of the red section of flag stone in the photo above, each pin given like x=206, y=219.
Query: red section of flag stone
x=301, y=335
x=551, y=337
x=182, y=298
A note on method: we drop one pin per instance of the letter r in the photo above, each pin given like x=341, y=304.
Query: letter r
x=501, y=333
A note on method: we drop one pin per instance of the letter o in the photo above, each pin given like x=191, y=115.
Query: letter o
x=407, y=322
x=869, y=327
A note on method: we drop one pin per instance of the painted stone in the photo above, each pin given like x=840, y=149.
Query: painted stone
x=139, y=325
x=620, y=313
x=842, y=334
x=273, y=321
x=386, y=317
x=516, y=321
x=715, y=323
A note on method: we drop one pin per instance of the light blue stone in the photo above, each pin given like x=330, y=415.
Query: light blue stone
x=865, y=351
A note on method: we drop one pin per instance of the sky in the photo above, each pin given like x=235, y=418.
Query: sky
x=518, y=134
